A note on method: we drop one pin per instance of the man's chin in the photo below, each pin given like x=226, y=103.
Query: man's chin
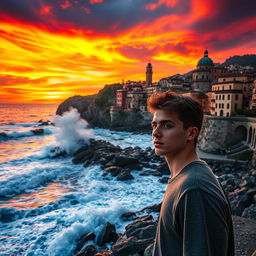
x=159, y=152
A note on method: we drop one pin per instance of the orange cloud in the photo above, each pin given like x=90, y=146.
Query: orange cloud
x=48, y=59
x=96, y=1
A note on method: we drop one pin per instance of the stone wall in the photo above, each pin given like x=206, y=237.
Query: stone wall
x=219, y=131
x=130, y=120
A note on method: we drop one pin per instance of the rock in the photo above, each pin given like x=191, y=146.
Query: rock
x=137, y=228
x=250, y=212
x=113, y=170
x=150, y=172
x=38, y=131
x=88, y=236
x=130, y=246
x=125, y=175
x=134, y=166
x=83, y=156
x=164, y=180
x=163, y=168
x=128, y=216
x=105, y=253
x=143, y=218
x=124, y=160
x=153, y=208
x=248, y=181
x=89, y=250
x=149, y=250
x=108, y=234
x=149, y=231
x=242, y=203
x=57, y=152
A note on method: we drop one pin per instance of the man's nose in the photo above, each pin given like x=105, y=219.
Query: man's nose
x=156, y=132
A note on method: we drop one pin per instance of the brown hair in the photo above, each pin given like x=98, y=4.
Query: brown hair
x=188, y=110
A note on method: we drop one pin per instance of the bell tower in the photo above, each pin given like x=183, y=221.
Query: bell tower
x=149, y=74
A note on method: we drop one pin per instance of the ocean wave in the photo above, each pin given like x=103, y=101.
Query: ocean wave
x=10, y=214
x=38, y=177
x=81, y=222
x=16, y=135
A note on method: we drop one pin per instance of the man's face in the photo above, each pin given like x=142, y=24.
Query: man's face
x=168, y=134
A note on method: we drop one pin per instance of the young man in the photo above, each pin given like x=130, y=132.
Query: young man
x=195, y=217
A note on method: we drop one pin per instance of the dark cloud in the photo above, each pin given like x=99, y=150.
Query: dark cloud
x=228, y=11
x=111, y=16
x=229, y=43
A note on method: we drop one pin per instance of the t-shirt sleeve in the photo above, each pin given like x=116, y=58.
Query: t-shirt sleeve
x=203, y=223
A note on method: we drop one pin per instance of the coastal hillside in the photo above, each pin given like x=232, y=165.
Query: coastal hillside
x=245, y=60
x=96, y=110
x=93, y=108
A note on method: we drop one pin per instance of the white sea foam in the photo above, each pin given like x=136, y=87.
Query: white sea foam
x=91, y=219
x=71, y=131
x=123, y=139
x=33, y=179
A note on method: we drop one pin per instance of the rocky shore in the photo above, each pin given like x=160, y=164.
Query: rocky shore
x=237, y=179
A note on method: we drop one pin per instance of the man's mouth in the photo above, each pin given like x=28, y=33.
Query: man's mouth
x=157, y=144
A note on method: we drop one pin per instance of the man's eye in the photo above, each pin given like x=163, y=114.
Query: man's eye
x=167, y=126
x=153, y=126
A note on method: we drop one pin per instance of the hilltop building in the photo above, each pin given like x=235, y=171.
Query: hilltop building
x=221, y=91
x=134, y=95
x=175, y=82
x=231, y=93
x=205, y=74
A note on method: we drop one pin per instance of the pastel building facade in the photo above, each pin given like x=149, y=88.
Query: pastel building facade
x=231, y=93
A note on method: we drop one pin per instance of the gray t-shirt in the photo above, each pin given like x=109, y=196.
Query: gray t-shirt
x=195, y=217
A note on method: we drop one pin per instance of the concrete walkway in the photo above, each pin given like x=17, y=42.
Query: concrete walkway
x=205, y=155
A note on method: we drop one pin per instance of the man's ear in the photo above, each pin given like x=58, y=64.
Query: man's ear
x=192, y=132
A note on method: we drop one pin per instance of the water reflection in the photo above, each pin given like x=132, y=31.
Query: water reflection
x=49, y=194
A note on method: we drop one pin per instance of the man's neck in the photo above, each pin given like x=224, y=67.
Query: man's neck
x=177, y=162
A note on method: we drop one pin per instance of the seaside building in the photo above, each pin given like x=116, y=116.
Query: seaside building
x=202, y=98
x=221, y=91
x=253, y=101
x=231, y=93
x=175, y=82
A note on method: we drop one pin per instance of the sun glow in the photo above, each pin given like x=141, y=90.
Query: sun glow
x=52, y=59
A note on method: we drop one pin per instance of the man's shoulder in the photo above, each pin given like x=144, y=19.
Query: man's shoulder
x=198, y=176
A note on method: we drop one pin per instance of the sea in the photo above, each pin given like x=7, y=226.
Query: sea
x=47, y=203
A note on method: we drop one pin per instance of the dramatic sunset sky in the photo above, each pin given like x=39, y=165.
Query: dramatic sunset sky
x=54, y=49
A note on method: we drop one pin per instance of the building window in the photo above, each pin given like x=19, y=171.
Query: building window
x=216, y=97
x=224, y=80
x=235, y=106
x=227, y=114
x=223, y=97
x=230, y=87
x=222, y=88
x=218, y=88
x=215, y=113
x=236, y=97
x=219, y=105
x=228, y=105
x=222, y=105
x=228, y=97
x=216, y=105
x=245, y=89
x=234, y=79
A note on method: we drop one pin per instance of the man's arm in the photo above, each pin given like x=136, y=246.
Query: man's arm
x=204, y=224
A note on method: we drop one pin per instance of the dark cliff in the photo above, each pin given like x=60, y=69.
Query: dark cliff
x=93, y=108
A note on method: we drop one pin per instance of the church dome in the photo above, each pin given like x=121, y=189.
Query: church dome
x=205, y=61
